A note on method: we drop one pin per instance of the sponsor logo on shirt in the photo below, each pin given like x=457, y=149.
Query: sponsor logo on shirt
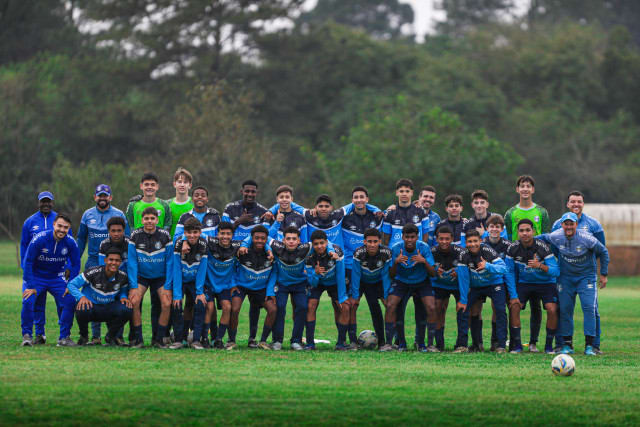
x=158, y=245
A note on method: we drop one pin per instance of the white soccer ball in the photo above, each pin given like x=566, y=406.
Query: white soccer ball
x=563, y=365
x=368, y=339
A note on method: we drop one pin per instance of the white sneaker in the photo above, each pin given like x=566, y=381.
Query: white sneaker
x=296, y=346
x=276, y=346
x=27, y=341
x=533, y=348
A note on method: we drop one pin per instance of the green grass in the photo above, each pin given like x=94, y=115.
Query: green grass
x=79, y=386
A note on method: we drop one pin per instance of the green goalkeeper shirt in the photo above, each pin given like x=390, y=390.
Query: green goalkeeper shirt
x=536, y=213
x=135, y=209
x=177, y=209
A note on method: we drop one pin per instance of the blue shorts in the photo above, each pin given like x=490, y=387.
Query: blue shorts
x=151, y=284
x=420, y=290
x=224, y=295
x=377, y=288
x=547, y=292
x=315, y=292
x=442, y=293
x=255, y=296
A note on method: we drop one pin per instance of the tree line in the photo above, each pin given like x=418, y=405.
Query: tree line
x=96, y=91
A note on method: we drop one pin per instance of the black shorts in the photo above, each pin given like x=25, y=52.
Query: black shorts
x=547, y=292
x=151, y=284
x=315, y=292
x=420, y=290
x=255, y=296
x=376, y=288
x=442, y=293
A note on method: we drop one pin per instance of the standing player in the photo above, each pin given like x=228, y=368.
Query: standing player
x=44, y=267
x=246, y=214
x=526, y=208
x=101, y=296
x=412, y=265
x=575, y=204
x=406, y=212
x=448, y=260
x=149, y=266
x=486, y=279
x=220, y=268
x=208, y=217
x=149, y=185
x=181, y=203
x=370, y=276
x=255, y=276
x=286, y=216
x=325, y=272
x=37, y=223
x=454, y=220
x=480, y=206
x=533, y=269
x=578, y=251
x=426, y=200
x=189, y=274
x=92, y=231
x=354, y=225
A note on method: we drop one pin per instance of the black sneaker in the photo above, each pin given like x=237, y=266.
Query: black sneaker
x=94, y=341
x=114, y=342
x=218, y=344
x=252, y=344
x=83, y=340
x=40, y=340
x=159, y=344
x=596, y=350
x=136, y=344
x=205, y=343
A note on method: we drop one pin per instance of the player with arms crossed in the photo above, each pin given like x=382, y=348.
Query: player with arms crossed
x=533, y=269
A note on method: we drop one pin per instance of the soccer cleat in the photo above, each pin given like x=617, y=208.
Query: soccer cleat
x=432, y=349
x=252, y=344
x=196, y=345
x=341, y=347
x=218, y=344
x=176, y=345
x=353, y=346
x=549, y=350
x=296, y=346
x=159, y=344
x=231, y=345
x=386, y=347
x=264, y=346
x=114, y=342
x=95, y=341
x=566, y=350
x=421, y=348
x=402, y=348
x=500, y=350
x=596, y=350
x=205, y=342
x=589, y=351
x=310, y=347
x=533, y=348
x=83, y=340
x=27, y=341
x=516, y=350
x=66, y=342
x=41, y=340
x=461, y=349
x=136, y=344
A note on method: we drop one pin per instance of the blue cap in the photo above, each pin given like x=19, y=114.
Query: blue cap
x=45, y=195
x=569, y=216
x=103, y=189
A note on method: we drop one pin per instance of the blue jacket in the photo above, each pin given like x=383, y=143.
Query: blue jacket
x=150, y=256
x=493, y=273
x=433, y=219
x=255, y=272
x=334, y=271
x=122, y=246
x=291, y=219
x=353, y=228
x=191, y=267
x=517, y=260
x=412, y=273
x=36, y=223
x=449, y=262
x=371, y=269
x=221, y=263
x=93, y=228
x=97, y=287
x=234, y=210
x=210, y=219
x=397, y=218
x=586, y=223
x=46, y=258
x=578, y=254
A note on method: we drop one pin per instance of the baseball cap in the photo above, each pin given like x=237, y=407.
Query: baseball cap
x=45, y=195
x=103, y=189
x=569, y=216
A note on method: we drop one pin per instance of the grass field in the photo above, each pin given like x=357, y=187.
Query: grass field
x=79, y=386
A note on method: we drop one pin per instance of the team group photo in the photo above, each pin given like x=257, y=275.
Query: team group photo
x=319, y=212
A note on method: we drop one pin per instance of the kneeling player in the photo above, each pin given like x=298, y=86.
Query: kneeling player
x=190, y=273
x=101, y=295
x=412, y=265
x=448, y=261
x=485, y=279
x=255, y=277
x=370, y=276
x=325, y=272
x=534, y=269
x=149, y=266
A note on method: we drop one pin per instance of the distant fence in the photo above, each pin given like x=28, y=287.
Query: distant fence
x=621, y=223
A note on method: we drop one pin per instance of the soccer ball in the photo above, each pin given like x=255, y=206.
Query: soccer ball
x=368, y=339
x=563, y=365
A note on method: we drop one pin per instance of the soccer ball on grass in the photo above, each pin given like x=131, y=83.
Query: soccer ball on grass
x=368, y=339
x=563, y=365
